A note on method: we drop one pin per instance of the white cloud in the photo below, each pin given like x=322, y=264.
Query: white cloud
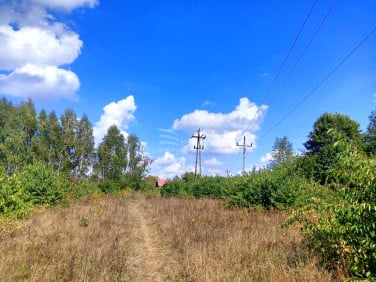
x=116, y=113
x=66, y=4
x=35, y=48
x=39, y=81
x=213, y=162
x=169, y=166
x=246, y=115
x=264, y=160
x=222, y=131
x=34, y=45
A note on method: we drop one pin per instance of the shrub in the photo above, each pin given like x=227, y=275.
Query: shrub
x=208, y=186
x=42, y=185
x=177, y=187
x=344, y=233
x=85, y=189
x=278, y=187
x=109, y=186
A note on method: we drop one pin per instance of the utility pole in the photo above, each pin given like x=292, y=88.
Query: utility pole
x=245, y=146
x=198, y=147
x=227, y=172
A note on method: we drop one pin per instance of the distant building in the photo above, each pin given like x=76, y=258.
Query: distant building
x=160, y=182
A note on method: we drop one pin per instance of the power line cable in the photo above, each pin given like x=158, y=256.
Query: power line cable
x=322, y=81
x=283, y=63
x=290, y=51
x=304, y=51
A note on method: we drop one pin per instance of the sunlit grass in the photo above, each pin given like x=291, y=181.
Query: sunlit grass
x=189, y=240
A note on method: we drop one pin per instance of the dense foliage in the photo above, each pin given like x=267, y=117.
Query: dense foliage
x=344, y=233
x=45, y=159
x=279, y=187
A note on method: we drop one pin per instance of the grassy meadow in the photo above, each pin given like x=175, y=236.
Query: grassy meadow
x=139, y=238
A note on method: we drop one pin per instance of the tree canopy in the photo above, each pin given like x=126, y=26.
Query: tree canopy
x=320, y=136
x=282, y=150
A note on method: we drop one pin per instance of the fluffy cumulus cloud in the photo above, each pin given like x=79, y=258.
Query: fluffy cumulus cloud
x=224, y=130
x=39, y=81
x=119, y=113
x=36, y=48
x=169, y=166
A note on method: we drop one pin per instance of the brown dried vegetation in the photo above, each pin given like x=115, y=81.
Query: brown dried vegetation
x=158, y=239
x=217, y=244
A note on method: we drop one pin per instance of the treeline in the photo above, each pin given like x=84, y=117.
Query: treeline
x=44, y=158
x=330, y=189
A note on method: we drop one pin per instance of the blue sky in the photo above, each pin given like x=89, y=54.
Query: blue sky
x=164, y=69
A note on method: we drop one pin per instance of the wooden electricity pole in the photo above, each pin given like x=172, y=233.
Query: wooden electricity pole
x=245, y=146
x=198, y=147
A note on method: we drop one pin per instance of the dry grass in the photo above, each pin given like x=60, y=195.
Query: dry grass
x=158, y=239
x=86, y=242
x=217, y=244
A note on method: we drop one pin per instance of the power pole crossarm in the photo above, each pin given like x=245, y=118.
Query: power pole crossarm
x=198, y=147
x=245, y=146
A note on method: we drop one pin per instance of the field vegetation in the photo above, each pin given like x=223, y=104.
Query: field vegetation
x=129, y=237
x=86, y=213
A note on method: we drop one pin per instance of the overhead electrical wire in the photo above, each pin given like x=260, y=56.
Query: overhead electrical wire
x=284, y=62
x=304, y=52
x=290, y=50
x=322, y=81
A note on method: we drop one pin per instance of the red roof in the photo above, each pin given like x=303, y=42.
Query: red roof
x=161, y=182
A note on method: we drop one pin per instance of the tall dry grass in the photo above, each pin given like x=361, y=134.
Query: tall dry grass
x=86, y=242
x=157, y=239
x=217, y=244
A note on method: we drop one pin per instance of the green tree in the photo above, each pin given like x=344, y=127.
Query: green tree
x=40, y=144
x=84, y=147
x=5, y=108
x=282, y=150
x=29, y=121
x=320, y=146
x=112, y=157
x=343, y=124
x=68, y=123
x=370, y=135
x=19, y=129
x=138, y=162
x=56, y=145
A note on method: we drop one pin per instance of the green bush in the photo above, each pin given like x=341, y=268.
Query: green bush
x=177, y=187
x=84, y=189
x=109, y=186
x=344, y=234
x=42, y=185
x=36, y=185
x=278, y=187
x=208, y=186
x=12, y=197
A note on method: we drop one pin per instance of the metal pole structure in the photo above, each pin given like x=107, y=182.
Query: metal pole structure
x=245, y=146
x=198, y=147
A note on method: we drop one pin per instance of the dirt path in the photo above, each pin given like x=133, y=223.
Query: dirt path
x=152, y=261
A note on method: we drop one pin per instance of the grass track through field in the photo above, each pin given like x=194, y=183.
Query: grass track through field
x=152, y=260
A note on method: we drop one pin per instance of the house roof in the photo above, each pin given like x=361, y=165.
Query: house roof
x=161, y=182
